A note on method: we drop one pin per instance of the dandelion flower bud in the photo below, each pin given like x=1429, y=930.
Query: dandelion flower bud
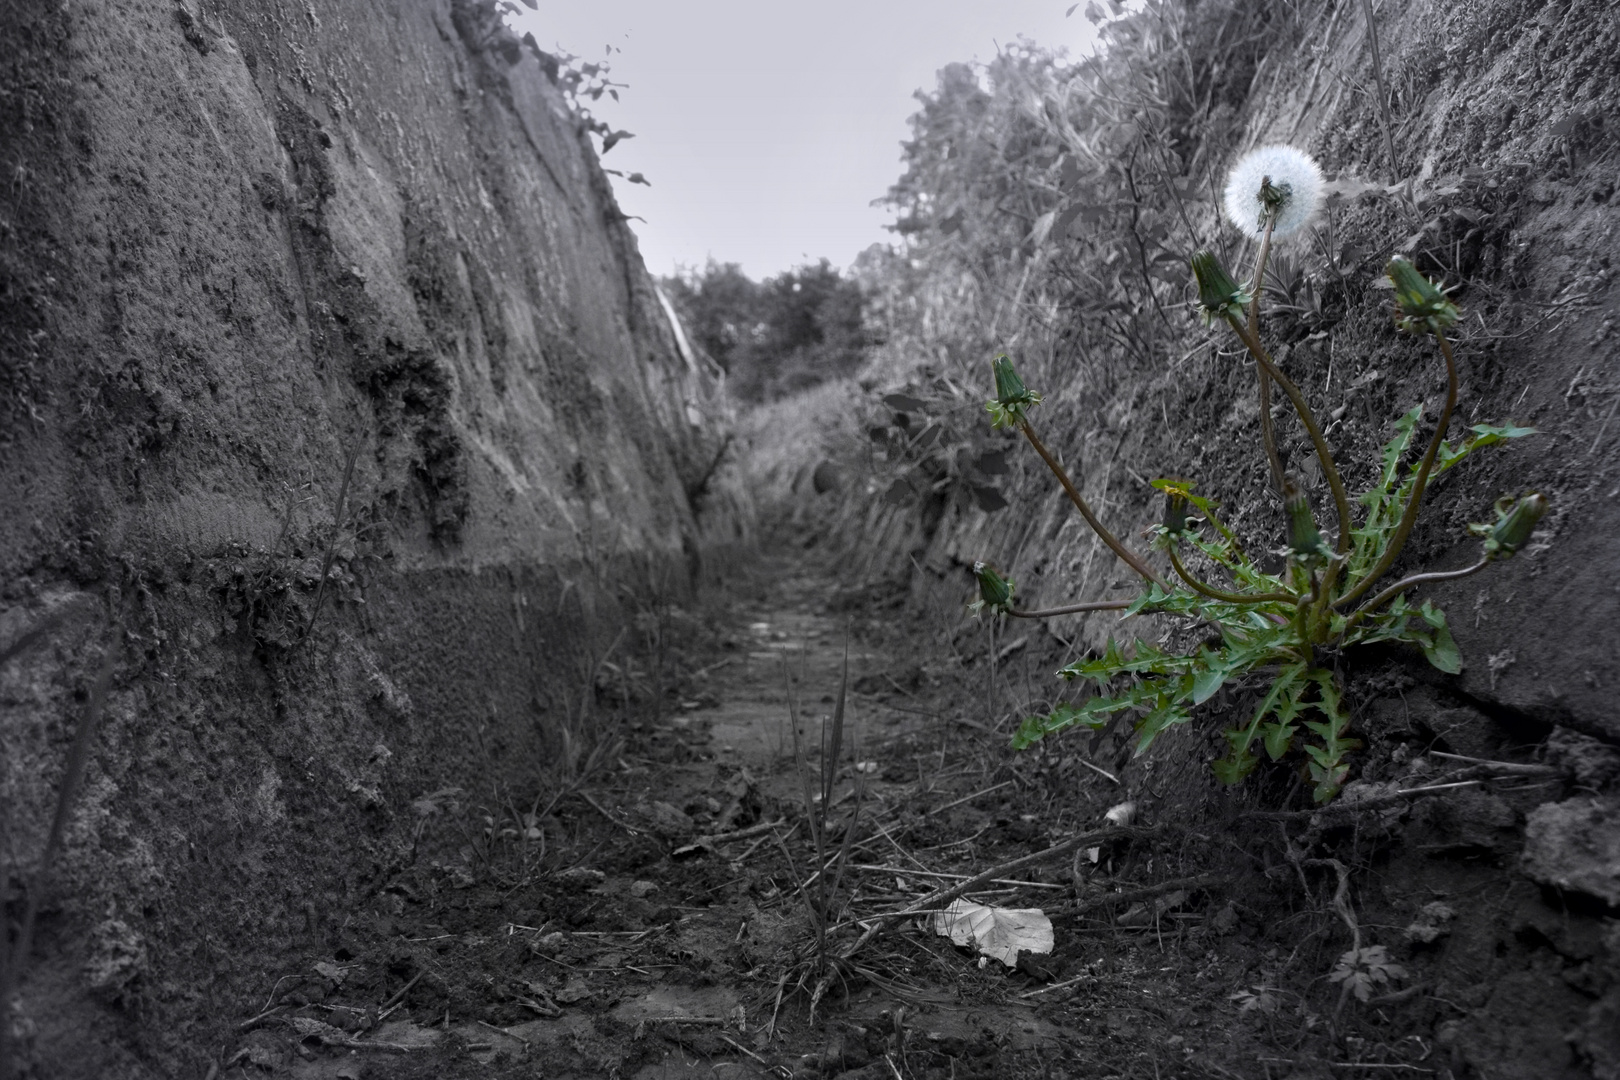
x=1420, y=306
x=1513, y=526
x=1012, y=397
x=1304, y=539
x=995, y=591
x=1176, y=505
x=1218, y=295
x=1273, y=180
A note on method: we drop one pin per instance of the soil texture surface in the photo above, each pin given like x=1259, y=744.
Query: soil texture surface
x=658, y=914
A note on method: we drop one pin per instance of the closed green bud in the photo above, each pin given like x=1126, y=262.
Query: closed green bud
x=1513, y=526
x=1176, y=505
x=1218, y=295
x=1304, y=538
x=995, y=591
x=1420, y=306
x=1012, y=397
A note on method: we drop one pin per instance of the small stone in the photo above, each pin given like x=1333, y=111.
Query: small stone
x=641, y=889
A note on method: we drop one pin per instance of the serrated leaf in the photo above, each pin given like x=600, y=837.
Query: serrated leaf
x=1094, y=713
x=1165, y=715
x=1442, y=652
x=1277, y=737
x=1206, y=682
x=1283, y=689
x=1328, y=781
x=1233, y=769
x=1484, y=435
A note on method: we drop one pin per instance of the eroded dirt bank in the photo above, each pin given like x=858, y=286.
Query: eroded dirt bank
x=436, y=765
x=342, y=432
x=1050, y=209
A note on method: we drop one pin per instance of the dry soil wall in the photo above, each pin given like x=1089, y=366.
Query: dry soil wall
x=242, y=246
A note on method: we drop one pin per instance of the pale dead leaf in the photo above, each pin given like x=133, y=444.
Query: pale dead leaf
x=996, y=932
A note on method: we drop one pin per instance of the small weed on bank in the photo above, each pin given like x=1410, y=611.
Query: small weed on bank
x=1289, y=625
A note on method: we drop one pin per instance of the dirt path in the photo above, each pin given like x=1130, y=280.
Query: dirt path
x=652, y=924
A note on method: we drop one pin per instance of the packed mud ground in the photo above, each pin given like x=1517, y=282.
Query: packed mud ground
x=657, y=916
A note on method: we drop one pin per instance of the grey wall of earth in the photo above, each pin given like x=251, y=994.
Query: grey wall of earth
x=242, y=245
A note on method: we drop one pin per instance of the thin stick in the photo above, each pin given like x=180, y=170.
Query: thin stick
x=402, y=991
x=1130, y=558
x=952, y=877
x=742, y=834
x=600, y=809
x=1065, y=984
x=1438, y=787
x=967, y=798
x=1104, y=773
x=1409, y=517
x=1201, y=881
x=1501, y=766
x=743, y=1049
x=1381, y=802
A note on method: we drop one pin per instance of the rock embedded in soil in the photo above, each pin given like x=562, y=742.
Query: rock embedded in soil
x=1574, y=846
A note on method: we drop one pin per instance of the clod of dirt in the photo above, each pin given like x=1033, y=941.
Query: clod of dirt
x=1432, y=923
x=1575, y=846
x=1593, y=764
x=665, y=820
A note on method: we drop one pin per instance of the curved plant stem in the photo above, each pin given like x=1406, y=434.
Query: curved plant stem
x=1407, y=583
x=1130, y=558
x=1047, y=613
x=1267, y=434
x=1216, y=594
x=1341, y=501
x=1316, y=624
x=1409, y=516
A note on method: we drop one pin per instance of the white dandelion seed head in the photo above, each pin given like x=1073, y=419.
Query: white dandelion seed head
x=1294, y=177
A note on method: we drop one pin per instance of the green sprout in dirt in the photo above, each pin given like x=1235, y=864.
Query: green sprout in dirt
x=1288, y=626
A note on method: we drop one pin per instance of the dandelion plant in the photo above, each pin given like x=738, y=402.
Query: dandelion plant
x=1282, y=626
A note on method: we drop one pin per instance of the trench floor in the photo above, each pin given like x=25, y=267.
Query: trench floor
x=657, y=916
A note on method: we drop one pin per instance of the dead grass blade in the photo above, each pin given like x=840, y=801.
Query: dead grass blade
x=829, y=772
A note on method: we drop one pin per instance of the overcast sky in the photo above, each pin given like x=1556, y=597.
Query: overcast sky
x=767, y=128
